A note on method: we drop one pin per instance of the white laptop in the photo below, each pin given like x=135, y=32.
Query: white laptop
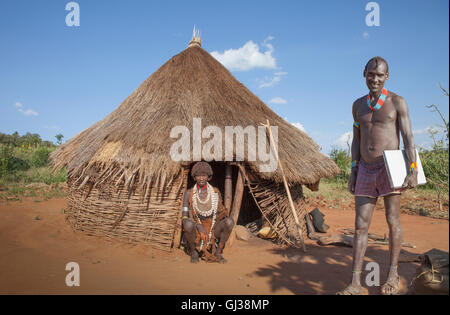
x=397, y=167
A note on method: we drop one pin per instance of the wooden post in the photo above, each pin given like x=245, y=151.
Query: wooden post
x=228, y=186
x=236, y=208
x=286, y=186
x=178, y=229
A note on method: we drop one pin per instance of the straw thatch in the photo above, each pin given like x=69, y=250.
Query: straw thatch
x=134, y=139
x=127, y=154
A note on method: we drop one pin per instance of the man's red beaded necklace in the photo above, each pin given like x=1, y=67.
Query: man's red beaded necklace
x=380, y=101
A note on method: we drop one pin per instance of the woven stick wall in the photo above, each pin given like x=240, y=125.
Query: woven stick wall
x=117, y=212
x=273, y=202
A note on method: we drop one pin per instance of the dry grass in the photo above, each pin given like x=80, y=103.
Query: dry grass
x=418, y=201
x=40, y=191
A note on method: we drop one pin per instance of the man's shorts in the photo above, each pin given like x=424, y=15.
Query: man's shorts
x=373, y=181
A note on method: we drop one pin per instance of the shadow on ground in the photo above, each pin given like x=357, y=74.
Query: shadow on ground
x=326, y=270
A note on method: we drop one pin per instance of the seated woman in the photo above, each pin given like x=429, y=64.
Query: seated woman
x=206, y=224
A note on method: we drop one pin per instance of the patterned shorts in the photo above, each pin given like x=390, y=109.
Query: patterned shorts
x=373, y=181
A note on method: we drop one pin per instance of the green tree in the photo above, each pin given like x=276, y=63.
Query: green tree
x=30, y=139
x=435, y=162
x=59, y=138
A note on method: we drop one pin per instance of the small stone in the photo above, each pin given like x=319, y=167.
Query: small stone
x=242, y=233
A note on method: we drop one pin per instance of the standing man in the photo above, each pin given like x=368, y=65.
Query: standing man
x=379, y=118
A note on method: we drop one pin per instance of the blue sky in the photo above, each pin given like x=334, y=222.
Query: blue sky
x=302, y=58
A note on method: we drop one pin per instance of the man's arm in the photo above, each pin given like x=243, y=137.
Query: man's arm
x=356, y=154
x=404, y=125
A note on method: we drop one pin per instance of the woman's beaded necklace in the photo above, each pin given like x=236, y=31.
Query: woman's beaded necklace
x=211, y=211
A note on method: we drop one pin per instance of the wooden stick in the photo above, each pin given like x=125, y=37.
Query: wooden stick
x=228, y=186
x=378, y=239
x=288, y=192
x=178, y=229
x=348, y=241
x=84, y=182
x=236, y=208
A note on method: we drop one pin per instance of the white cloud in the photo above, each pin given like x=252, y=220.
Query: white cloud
x=28, y=112
x=51, y=127
x=270, y=83
x=299, y=126
x=247, y=57
x=345, y=140
x=278, y=100
x=425, y=130
x=420, y=131
x=273, y=81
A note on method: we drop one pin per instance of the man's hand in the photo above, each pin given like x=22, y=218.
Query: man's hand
x=202, y=231
x=352, y=180
x=410, y=180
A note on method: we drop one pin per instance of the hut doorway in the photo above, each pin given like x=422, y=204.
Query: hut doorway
x=249, y=209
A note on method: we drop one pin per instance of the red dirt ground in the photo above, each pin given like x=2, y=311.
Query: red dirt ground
x=35, y=253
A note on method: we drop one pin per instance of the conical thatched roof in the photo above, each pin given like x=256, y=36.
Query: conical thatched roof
x=133, y=142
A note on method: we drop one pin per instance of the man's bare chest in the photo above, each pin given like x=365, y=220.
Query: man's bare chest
x=386, y=115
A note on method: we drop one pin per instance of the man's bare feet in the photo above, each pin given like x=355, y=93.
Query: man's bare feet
x=392, y=284
x=352, y=290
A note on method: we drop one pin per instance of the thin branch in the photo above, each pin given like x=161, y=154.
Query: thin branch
x=443, y=89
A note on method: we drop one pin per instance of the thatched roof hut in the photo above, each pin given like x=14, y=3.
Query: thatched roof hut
x=122, y=181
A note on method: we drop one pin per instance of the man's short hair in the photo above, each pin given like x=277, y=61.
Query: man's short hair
x=377, y=60
x=201, y=168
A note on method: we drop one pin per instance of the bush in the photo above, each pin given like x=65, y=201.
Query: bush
x=43, y=175
x=343, y=160
x=435, y=166
x=40, y=156
x=9, y=163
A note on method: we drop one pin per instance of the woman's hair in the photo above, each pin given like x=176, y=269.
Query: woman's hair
x=201, y=168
